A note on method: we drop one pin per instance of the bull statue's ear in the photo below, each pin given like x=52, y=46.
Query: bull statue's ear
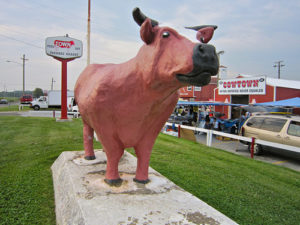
x=147, y=32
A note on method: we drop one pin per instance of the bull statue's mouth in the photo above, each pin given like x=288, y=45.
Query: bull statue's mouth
x=197, y=79
x=206, y=64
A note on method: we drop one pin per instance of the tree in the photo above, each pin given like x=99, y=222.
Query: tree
x=37, y=92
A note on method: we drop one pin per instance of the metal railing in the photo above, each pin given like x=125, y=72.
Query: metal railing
x=236, y=137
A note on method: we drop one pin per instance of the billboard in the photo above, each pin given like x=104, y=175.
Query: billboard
x=243, y=86
x=63, y=47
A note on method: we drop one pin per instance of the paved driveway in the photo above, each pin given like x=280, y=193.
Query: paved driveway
x=236, y=147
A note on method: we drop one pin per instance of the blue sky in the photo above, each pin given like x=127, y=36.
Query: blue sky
x=254, y=34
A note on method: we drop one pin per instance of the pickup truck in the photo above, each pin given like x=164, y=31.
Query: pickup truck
x=26, y=99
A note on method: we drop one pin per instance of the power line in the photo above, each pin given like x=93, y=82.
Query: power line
x=24, y=42
x=12, y=29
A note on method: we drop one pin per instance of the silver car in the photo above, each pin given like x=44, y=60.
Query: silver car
x=278, y=128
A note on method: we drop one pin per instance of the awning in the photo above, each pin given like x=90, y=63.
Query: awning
x=291, y=102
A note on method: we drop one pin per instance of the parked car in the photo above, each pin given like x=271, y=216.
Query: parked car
x=26, y=99
x=278, y=128
x=3, y=101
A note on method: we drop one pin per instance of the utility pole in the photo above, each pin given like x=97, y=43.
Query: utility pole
x=52, y=84
x=89, y=32
x=219, y=54
x=278, y=64
x=24, y=59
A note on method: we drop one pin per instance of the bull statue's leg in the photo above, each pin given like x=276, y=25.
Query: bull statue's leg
x=143, y=152
x=88, y=136
x=113, y=154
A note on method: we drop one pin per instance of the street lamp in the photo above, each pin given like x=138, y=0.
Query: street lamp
x=13, y=62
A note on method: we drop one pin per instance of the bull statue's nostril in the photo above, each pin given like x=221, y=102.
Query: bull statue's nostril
x=201, y=48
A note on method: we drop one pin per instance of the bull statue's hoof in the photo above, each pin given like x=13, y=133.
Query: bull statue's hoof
x=90, y=157
x=114, y=183
x=141, y=181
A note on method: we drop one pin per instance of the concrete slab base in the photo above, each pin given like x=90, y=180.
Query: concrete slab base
x=82, y=196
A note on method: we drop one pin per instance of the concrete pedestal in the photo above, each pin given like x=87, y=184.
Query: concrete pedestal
x=82, y=196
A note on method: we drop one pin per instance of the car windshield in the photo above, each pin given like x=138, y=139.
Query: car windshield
x=294, y=128
x=255, y=122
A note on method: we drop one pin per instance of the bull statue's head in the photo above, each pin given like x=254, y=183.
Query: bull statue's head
x=174, y=57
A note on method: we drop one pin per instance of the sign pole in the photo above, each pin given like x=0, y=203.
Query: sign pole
x=64, y=90
x=64, y=87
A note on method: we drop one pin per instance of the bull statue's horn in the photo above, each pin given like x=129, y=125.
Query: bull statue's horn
x=139, y=17
x=196, y=28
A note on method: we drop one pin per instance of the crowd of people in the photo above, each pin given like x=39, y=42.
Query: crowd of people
x=203, y=117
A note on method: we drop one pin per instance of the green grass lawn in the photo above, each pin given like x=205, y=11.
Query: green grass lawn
x=13, y=108
x=248, y=191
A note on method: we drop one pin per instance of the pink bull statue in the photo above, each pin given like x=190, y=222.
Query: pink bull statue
x=127, y=104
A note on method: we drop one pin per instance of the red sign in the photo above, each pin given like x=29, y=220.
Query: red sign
x=63, y=44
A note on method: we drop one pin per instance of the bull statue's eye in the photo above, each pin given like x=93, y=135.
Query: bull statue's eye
x=165, y=34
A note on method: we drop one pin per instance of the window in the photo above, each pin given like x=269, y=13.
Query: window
x=273, y=124
x=294, y=128
x=255, y=122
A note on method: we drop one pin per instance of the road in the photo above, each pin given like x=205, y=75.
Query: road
x=31, y=113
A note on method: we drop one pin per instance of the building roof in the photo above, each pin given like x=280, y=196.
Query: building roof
x=294, y=84
x=283, y=83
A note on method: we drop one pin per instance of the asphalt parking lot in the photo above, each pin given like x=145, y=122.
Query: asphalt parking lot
x=234, y=146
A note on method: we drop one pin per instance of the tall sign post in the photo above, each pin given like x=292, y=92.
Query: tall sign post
x=63, y=49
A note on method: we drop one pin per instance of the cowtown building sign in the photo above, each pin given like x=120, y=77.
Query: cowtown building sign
x=243, y=86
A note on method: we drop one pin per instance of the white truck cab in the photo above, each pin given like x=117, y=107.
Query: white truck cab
x=40, y=103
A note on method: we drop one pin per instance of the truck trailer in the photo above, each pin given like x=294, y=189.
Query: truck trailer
x=53, y=100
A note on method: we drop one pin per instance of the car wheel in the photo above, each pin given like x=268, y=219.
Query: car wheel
x=257, y=150
x=36, y=107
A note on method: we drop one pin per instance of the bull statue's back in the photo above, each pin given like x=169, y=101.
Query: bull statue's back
x=127, y=104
